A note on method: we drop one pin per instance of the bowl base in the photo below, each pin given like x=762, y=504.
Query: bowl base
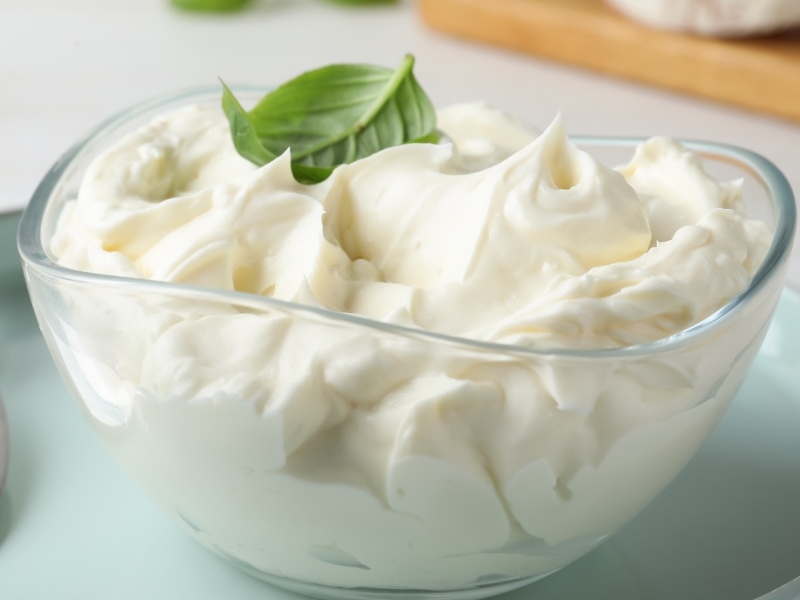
x=325, y=592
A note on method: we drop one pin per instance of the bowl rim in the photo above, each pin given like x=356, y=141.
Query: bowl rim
x=34, y=256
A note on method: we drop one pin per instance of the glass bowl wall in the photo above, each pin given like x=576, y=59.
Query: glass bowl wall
x=253, y=455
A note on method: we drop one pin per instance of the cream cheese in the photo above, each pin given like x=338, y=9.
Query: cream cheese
x=354, y=456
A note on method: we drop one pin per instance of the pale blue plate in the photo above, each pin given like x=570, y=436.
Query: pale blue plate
x=72, y=525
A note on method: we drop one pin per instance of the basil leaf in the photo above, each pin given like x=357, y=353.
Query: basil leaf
x=243, y=132
x=333, y=116
x=248, y=145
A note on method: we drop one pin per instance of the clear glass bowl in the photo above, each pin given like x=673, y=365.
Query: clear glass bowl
x=474, y=509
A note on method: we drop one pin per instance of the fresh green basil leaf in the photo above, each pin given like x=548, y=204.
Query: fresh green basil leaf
x=247, y=144
x=244, y=135
x=210, y=5
x=333, y=116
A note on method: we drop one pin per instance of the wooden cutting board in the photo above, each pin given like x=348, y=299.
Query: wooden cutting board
x=761, y=74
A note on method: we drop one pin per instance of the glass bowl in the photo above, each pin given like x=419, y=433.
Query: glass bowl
x=470, y=498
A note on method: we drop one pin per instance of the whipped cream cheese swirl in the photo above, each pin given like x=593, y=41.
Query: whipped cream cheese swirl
x=503, y=235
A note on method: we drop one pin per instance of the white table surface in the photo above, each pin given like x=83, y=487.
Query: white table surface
x=65, y=65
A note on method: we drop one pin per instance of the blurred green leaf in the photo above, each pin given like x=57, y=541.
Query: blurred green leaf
x=210, y=5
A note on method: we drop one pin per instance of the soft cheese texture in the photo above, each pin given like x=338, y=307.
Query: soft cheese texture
x=349, y=455
x=506, y=235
